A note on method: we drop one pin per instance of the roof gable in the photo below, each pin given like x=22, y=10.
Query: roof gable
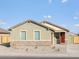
x=30, y=21
x=55, y=26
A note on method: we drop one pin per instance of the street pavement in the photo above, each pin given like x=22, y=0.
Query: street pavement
x=38, y=58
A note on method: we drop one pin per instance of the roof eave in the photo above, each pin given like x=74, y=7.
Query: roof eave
x=32, y=22
x=55, y=25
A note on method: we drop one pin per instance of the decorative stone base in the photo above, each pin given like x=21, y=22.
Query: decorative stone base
x=30, y=43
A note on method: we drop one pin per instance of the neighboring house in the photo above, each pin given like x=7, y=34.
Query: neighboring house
x=31, y=33
x=4, y=36
x=71, y=37
x=76, y=39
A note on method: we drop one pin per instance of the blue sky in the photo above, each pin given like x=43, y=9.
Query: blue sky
x=61, y=12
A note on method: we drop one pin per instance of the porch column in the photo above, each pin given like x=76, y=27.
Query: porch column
x=52, y=38
x=66, y=38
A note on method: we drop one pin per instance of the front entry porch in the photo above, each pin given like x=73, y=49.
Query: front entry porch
x=59, y=37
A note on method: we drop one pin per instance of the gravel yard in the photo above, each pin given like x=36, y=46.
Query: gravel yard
x=73, y=48
x=60, y=51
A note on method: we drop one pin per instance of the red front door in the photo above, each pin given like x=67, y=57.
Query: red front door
x=62, y=37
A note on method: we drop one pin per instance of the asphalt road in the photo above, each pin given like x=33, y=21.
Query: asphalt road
x=39, y=58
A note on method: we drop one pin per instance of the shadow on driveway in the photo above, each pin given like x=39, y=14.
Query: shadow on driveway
x=6, y=44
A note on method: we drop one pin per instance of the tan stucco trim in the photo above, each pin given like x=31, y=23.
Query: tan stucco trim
x=60, y=31
x=55, y=25
x=30, y=40
x=32, y=43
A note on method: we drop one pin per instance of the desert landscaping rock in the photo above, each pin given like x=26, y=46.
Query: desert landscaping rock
x=40, y=51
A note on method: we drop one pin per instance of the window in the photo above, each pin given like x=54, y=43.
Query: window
x=23, y=35
x=37, y=35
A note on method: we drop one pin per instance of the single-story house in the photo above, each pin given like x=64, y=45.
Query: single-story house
x=31, y=33
x=4, y=36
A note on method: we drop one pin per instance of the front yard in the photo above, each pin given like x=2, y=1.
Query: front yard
x=59, y=50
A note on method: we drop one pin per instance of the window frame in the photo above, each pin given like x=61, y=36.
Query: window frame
x=34, y=35
x=21, y=34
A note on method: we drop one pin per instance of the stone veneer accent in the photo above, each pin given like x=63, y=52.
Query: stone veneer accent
x=30, y=43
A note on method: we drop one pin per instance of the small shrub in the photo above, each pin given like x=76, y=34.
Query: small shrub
x=27, y=49
x=36, y=47
x=58, y=49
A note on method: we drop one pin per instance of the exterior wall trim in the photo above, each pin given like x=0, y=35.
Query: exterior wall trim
x=31, y=40
x=32, y=43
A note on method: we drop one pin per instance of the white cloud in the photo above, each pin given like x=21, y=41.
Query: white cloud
x=77, y=25
x=50, y=1
x=75, y=17
x=47, y=17
x=2, y=22
x=64, y=1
